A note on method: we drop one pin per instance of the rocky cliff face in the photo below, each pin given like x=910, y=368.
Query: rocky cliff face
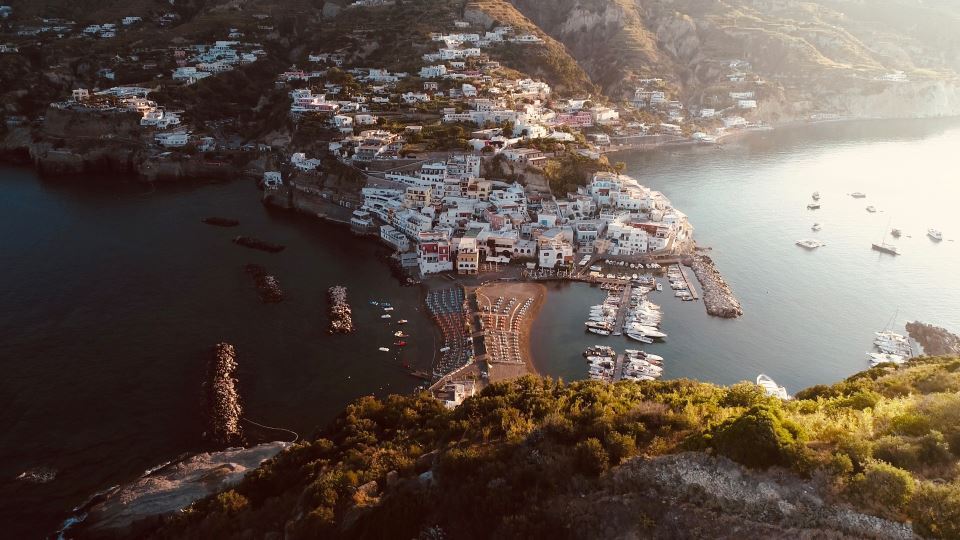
x=174, y=487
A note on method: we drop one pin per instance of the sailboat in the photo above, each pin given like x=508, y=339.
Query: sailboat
x=884, y=247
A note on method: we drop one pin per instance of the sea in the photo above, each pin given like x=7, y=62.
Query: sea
x=114, y=293
x=809, y=316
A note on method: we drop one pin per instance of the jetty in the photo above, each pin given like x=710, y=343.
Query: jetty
x=688, y=281
x=618, y=367
x=717, y=296
x=341, y=316
x=223, y=400
x=267, y=285
x=622, y=309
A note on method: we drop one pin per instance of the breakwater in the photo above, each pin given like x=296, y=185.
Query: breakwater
x=268, y=288
x=223, y=400
x=717, y=296
x=341, y=317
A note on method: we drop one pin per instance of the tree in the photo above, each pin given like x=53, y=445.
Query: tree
x=883, y=486
x=760, y=437
x=591, y=458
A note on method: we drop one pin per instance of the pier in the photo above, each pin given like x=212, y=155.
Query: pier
x=622, y=309
x=618, y=367
x=686, y=279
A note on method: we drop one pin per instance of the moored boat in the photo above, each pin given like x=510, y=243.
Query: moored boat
x=771, y=387
x=935, y=235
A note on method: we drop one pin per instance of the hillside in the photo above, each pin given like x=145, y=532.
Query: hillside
x=829, y=45
x=541, y=458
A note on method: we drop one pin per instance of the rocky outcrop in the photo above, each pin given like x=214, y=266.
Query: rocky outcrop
x=717, y=296
x=694, y=495
x=935, y=341
x=175, y=487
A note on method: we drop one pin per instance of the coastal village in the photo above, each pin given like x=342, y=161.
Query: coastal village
x=462, y=166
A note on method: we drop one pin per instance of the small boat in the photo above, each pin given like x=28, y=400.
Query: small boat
x=385, y=316
x=402, y=321
x=659, y=287
x=400, y=343
x=771, y=387
x=816, y=195
x=400, y=334
x=813, y=206
x=896, y=233
x=374, y=303
x=388, y=309
x=884, y=247
x=881, y=358
x=384, y=349
x=445, y=349
x=810, y=244
x=599, y=331
x=935, y=235
x=858, y=195
x=816, y=227
x=872, y=209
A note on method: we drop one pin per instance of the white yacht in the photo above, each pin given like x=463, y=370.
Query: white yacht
x=882, y=358
x=935, y=235
x=771, y=387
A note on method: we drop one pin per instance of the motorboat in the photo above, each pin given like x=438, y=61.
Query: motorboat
x=810, y=244
x=385, y=316
x=400, y=334
x=896, y=233
x=599, y=331
x=650, y=331
x=882, y=358
x=813, y=206
x=639, y=337
x=400, y=343
x=858, y=195
x=935, y=235
x=771, y=387
x=402, y=321
x=384, y=349
x=388, y=309
x=872, y=209
x=816, y=227
x=816, y=195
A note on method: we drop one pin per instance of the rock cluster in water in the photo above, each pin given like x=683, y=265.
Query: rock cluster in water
x=717, y=296
x=223, y=400
x=267, y=285
x=935, y=341
x=341, y=318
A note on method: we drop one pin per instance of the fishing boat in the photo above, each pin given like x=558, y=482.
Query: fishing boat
x=816, y=227
x=771, y=387
x=935, y=235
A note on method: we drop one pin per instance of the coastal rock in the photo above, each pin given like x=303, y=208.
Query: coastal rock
x=717, y=296
x=935, y=341
x=176, y=486
x=341, y=317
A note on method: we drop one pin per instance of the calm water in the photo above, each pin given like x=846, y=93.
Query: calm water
x=809, y=316
x=112, y=297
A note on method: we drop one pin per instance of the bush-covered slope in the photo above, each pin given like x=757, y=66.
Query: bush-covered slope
x=537, y=458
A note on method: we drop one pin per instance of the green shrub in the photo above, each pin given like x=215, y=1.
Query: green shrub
x=910, y=424
x=913, y=453
x=620, y=447
x=744, y=394
x=935, y=510
x=591, y=458
x=760, y=437
x=883, y=486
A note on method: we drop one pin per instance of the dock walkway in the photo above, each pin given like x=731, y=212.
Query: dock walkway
x=622, y=310
x=618, y=367
x=690, y=287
